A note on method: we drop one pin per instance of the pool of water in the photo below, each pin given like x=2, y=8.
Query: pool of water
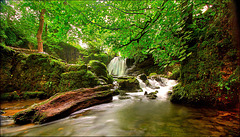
x=137, y=116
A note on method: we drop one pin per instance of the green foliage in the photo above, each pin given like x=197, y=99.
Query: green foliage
x=169, y=31
x=208, y=76
x=10, y=96
x=11, y=37
x=29, y=95
x=102, y=57
x=135, y=28
x=175, y=74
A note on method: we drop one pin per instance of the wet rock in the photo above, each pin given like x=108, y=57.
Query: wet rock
x=123, y=97
x=63, y=104
x=151, y=95
x=169, y=93
x=160, y=79
x=145, y=93
x=143, y=77
x=122, y=93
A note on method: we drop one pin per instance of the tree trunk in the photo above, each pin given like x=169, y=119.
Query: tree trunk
x=40, y=31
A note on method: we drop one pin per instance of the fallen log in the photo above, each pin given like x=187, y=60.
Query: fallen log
x=63, y=104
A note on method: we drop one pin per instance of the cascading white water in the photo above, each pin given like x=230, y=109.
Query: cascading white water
x=162, y=87
x=117, y=66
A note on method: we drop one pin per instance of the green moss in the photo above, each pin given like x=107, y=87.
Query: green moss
x=77, y=79
x=29, y=95
x=5, y=96
x=10, y=96
x=100, y=70
x=77, y=67
x=101, y=57
x=75, y=75
x=46, y=73
x=152, y=74
x=130, y=84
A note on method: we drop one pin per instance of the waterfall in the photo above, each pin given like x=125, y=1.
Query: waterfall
x=117, y=66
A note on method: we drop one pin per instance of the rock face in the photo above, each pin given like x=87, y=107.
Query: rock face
x=63, y=104
x=42, y=72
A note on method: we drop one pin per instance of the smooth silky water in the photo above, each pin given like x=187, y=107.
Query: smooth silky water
x=137, y=116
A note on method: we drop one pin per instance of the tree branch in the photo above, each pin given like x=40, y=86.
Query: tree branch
x=144, y=31
x=104, y=27
x=127, y=12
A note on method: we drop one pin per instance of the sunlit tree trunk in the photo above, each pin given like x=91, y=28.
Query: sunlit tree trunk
x=40, y=31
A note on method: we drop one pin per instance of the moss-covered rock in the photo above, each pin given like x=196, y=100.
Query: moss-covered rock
x=151, y=95
x=100, y=70
x=102, y=57
x=77, y=79
x=129, y=83
x=18, y=95
x=42, y=72
x=143, y=77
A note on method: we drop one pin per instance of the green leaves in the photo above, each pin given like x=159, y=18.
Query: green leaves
x=134, y=28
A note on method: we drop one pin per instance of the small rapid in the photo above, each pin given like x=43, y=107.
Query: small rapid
x=162, y=87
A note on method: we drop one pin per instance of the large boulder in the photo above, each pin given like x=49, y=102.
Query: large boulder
x=128, y=83
x=100, y=70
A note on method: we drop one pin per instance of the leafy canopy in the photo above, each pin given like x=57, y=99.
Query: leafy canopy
x=134, y=28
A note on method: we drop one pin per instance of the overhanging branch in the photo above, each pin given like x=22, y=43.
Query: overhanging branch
x=144, y=30
x=105, y=27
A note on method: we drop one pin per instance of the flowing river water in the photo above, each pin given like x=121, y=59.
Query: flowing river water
x=136, y=116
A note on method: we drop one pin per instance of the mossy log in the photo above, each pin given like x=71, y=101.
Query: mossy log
x=63, y=104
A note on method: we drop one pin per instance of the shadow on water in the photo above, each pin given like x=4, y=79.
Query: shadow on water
x=167, y=119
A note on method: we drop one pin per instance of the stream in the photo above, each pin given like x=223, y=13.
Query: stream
x=136, y=116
